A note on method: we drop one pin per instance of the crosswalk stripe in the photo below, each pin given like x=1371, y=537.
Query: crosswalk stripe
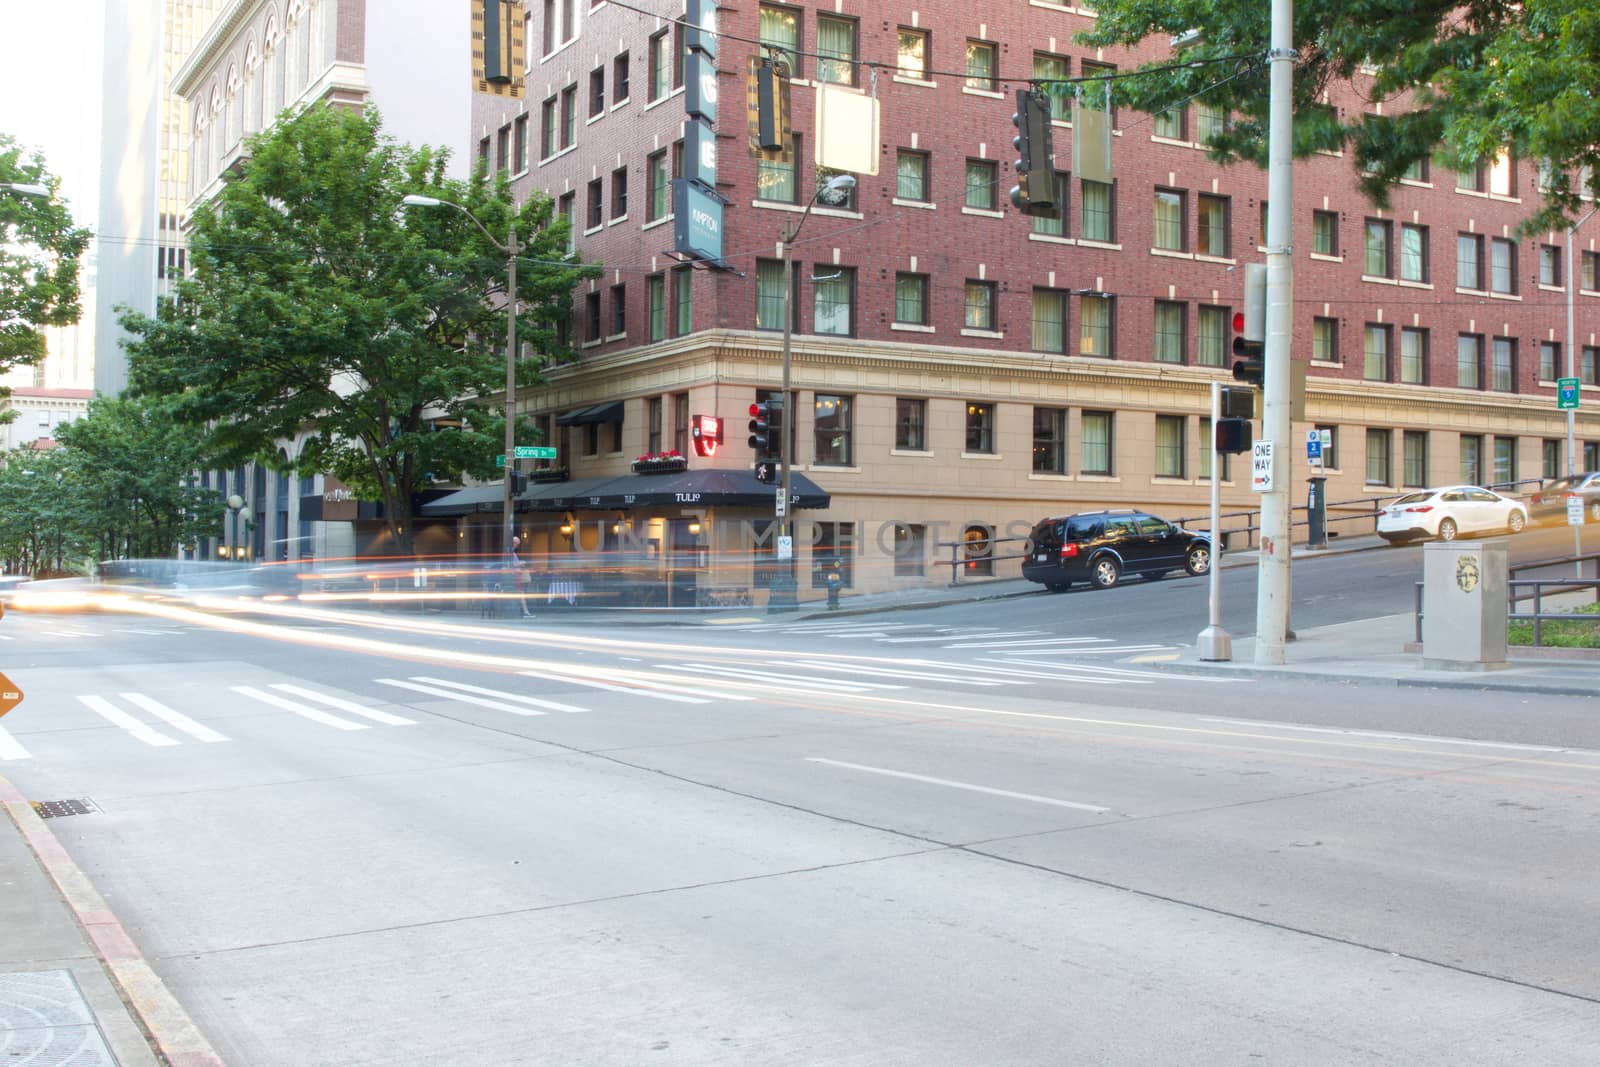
x=549, y=705
x=173, y=718
x=962, y=636
x=791, y=680
x=1109, y=650
x=967, y=642
x=3, y=637
x=1012, y=672
x=117, y=717
x=344, y=705
x=68, y=633
x=11, y=748
x=634, y=687
x=464, y=698
x=314, y=714
x=1152, y=675
x=888, y=672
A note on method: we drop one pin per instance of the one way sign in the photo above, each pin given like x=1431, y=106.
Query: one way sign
x=1261, y=466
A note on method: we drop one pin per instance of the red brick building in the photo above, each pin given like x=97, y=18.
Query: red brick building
x=960, y=368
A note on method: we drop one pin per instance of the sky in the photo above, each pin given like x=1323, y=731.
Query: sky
x=50, y=78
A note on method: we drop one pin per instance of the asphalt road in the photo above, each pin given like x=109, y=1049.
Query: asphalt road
x=921, y=837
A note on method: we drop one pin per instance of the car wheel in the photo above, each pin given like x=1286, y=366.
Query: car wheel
x=1106, y=571
x=1198, y=561
x=1518, y=521
x=1447, y=529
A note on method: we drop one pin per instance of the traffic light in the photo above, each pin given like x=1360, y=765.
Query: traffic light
x=1035, y=191
x=519, y=483
x=766, y=427
x=1250, y=327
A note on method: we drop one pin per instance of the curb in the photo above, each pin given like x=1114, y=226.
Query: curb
x=172, y=1034
x=1465, y=681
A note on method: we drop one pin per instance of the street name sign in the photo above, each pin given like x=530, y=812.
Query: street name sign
x=1566, y=394
x=10, y=695
x=1261, y=467
x=528, y=452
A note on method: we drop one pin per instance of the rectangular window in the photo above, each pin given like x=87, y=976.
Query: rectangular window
x=1550, y=459
x=833, y=300
x=1413, y=356
x=660, y=186
x=1503, y=365
x=978, y=306
x=1095, y=79
x=1056, y=226
x=682, y=301
x=982, y=176
x=596, y=205
x=548, y=131
x=502, y=148
x=655, y=288
x=1213, y=336
x=1169, y=446
x=1325, y=340
x=1209, y=123
x=769, y=294
x=1095, y=334
x=911, y=424
x=1505, y=460
x=1094, y=443
x=652, y=413
x=1416, y=171
x=1413, y=253
x=1049, y=320
x=1549, y=360
x=569, y=116
x=1549, y=265
x=1325, y=233
x=597, y=92
x=591, y=314
x=567, y=208
x=1378, y=457
x=1589, y=270
x=1375, y=264
x=832, y=430
x=619, y=79
x=1375, y=353
x=912, y=57
x=680, y=424
x=1472, y=459
x=1169, y=219
x=1170, y=331
x=980, y=428
x=1469, y=261
x=980, y=65
x=1589, y=370
x=911, y=175
x=619, y=194
x=1050, y=78
x=910, y=549
x=1096, y=222
x=1502, y=265
x=775, y=175
x=1469, y=361
x=1330, y=458
x=911, y=299
x=1049, y=440
x=1168, y=124
x=519, y=143
x=1415, y=443
x=780, y=34
x=660, y=70
x=1471, y=179
x=836, y=50
x=619, y=310
x=1502, y=175
x=1212, y=218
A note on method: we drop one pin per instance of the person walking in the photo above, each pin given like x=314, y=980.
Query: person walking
x=519, y=576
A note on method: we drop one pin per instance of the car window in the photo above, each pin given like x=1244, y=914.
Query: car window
x=1120, y=528
x=1149, y=524
x=1454, y=496
x=1082, y=529
x=1413, y=498
x=1481, y=496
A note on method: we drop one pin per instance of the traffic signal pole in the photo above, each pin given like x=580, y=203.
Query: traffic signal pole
x=1272, y=576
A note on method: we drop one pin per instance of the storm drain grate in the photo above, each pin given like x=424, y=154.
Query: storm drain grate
x=55, y=809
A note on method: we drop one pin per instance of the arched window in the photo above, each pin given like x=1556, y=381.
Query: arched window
x=252, y=89
x=235, y=109
x=215, y=118
x=273, y=82
x=978, y=550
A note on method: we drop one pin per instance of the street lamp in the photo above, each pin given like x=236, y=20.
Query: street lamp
x=786, y=598
x=509, y=250
x=1572, y=446
x=25, y=189
x=237, y=510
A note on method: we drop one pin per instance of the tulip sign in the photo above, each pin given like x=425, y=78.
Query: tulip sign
x=10, y=695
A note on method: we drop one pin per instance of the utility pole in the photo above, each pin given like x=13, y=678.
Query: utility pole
x=1272, y=576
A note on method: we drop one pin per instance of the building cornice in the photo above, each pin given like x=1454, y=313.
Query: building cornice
x=218, y=36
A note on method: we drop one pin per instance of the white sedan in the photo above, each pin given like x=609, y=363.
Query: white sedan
x=1445, y=513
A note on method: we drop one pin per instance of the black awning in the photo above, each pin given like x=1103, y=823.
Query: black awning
x=709, y=488
x=465, y=501
x=611, y=412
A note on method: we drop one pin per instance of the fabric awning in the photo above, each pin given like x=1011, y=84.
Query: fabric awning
x=465, y=501
x=710, y=488
x=611, y=412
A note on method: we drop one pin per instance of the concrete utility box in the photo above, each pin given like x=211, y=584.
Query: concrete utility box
x=1464, y=605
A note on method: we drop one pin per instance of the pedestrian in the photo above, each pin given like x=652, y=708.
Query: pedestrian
x=519, y=576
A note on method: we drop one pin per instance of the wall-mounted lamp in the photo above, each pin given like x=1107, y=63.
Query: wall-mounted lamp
x=566, y=529
x=694, y=527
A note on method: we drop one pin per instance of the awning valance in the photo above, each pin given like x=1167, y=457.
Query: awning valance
x=611, y=412
x=706, y=488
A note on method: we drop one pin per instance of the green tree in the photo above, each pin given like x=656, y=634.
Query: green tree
x=39, y=529
x=1460, y=82
x=39, y=252
x=322, y=311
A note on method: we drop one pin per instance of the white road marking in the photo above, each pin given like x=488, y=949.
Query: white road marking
x=68, y=633
x=969, y=635
x=793, y=681
x=968, y=786
x=117, y=717
x=967, y=642
x=149, y=633
x=1257, y=724
x=11, y=748
x=463, y=698
x=888, y=672
x=3, y=637
x=639, y=687
x=1113, y=650
x=518, y=697
x=344, y=705
x=314, y=714
x=1152, y=675
x=173, y=718
x=1013, y=672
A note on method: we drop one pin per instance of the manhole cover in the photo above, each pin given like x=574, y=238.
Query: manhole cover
x=45, y=1022
x=55, y=809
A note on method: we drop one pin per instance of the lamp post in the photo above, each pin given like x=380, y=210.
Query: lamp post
x=787, y=598
x=236, y=509
x=25, y=189
x=1572, y=415
x=509, y=250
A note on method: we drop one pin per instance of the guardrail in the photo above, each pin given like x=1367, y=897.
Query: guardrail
x=1536, y=589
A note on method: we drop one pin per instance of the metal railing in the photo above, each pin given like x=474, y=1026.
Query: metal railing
x=1536, y=589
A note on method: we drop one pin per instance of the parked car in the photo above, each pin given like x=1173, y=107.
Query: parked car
x=1450, y=511
x=1549, y=502
x=1101, y=546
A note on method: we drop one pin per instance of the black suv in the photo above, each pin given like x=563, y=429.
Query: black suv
x=1102, y=546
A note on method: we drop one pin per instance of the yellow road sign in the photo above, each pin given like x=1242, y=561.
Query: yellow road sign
x=10, y=695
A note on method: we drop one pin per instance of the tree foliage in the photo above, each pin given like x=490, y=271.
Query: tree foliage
x=39, y=253
x=1459, y=82
x=322, y=311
